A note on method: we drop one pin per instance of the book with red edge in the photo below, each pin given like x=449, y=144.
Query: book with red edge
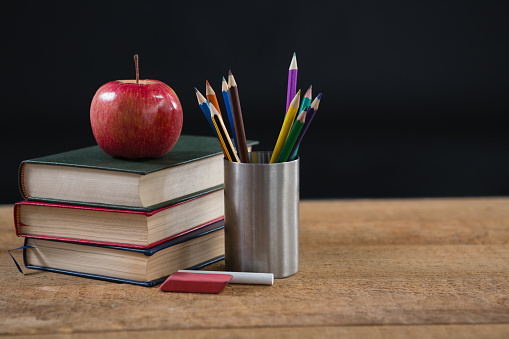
x=117, y=227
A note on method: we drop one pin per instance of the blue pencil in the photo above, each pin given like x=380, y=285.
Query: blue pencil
x=204, y=105
x=228, y=104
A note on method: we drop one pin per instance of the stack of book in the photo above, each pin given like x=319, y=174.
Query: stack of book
x=85, y=213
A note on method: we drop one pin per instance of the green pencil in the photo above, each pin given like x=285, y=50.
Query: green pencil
x=306, y=102
x=292, y=137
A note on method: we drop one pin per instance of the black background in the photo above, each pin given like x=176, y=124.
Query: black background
x=415, y=94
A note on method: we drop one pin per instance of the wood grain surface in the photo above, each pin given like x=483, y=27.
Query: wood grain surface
x=368, y=268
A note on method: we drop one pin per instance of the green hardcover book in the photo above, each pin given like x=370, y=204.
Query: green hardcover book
x=91, y=177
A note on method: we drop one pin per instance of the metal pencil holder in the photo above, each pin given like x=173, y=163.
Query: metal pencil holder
x=262, y=215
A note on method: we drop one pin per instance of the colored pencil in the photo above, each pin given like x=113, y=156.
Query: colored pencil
x=211, y=96
x=304, y=106
x=224, y=138
x=237, y=118
x=227, y=103
x=287, y=125
x=310, y=115
x=306, y=101
x=292, y=137
x=292, y=81
x=204, y=105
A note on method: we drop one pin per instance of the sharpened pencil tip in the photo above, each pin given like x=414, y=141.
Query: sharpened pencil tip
x=208, y=89
x=293, y=63
x=302, y=116
x=317, y=103
x=231, y=81
x=213, y=110
x=199, y=96
x=224, y=79
x=295, y=100
x=308, y=93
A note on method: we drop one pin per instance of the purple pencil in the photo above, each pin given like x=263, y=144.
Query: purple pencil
x=292, y=81
x=309, y=116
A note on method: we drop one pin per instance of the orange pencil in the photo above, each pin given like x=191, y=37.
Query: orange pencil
x=211, y=96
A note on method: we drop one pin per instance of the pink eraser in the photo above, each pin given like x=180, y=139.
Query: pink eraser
x=195, y=282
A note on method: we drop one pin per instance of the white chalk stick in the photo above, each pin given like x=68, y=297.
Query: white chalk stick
x=242, y=277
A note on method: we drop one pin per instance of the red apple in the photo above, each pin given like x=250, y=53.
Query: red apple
x=136, y=118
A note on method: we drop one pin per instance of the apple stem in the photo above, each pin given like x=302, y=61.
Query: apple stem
x=137, y=69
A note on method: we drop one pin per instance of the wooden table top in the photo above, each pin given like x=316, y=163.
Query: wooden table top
x=368, y=269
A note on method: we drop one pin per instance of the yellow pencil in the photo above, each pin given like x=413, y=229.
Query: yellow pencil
x=224, y=138
x=287, y=125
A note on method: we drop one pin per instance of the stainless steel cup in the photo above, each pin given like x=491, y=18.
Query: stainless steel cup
x=262, y=216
